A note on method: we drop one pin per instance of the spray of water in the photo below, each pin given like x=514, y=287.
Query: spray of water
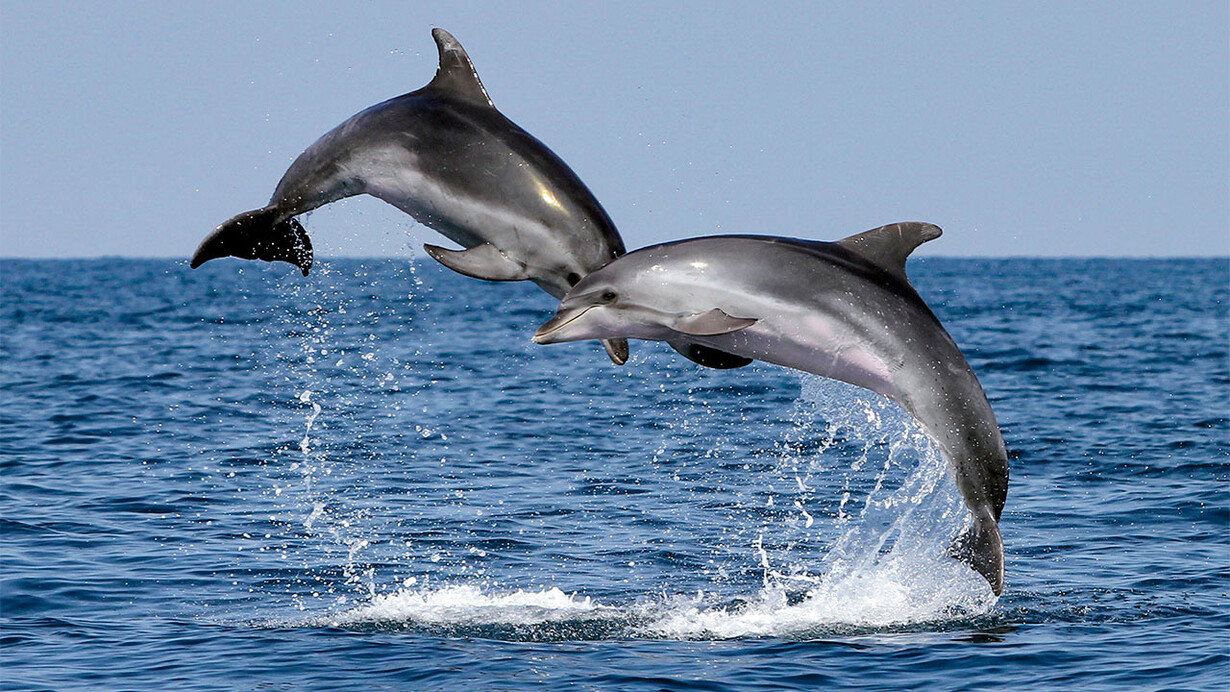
x=866, y=547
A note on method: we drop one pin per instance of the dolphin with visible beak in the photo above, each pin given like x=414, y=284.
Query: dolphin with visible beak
x=447, y=157
x=843, y=310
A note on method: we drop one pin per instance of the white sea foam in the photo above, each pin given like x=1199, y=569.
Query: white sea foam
x=893, y=597
x=896, y=590
x=469, y=605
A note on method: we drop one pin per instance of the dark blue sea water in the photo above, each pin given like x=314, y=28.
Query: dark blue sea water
x=238, y=478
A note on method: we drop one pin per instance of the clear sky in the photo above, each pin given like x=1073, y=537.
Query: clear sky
x=1022, y=128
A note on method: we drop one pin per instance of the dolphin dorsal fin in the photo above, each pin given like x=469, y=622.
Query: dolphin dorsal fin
x=456, y=73
x=888, y=246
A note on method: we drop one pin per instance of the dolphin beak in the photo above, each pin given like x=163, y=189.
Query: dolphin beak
x=554, y=332
x=549, y=333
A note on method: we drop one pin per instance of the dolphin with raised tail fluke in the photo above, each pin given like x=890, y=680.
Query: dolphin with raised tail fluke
x=444, y=155
x=843, y=310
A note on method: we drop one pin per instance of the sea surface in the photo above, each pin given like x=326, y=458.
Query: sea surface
x=371, y=479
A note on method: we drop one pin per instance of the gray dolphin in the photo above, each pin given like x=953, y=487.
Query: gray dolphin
x=447, y=157
x=843, y=310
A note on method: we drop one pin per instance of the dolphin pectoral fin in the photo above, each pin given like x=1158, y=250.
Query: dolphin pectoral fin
x=888, y=246
x=981, y=546
x=710, y=323
x=617, y=349
x=709, y=357
x=258, y=235
x=480, y=262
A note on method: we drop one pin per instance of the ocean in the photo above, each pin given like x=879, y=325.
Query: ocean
x=371, y=479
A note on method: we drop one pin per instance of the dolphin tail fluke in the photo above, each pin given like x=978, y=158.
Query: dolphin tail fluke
x=982, y=547
x=258, y=235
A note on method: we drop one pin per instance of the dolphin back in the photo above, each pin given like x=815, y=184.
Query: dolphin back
x=259, y=234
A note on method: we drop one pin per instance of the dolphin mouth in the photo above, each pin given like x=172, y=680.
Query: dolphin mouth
x=548, y=333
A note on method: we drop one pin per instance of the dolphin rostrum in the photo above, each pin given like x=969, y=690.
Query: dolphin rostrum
x=447, y=157
x=843, y=310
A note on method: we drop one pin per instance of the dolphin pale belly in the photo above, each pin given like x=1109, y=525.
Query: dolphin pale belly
x=843, y=310
x=447, y=157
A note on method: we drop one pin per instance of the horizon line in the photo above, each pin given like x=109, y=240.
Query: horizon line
x=418, y=256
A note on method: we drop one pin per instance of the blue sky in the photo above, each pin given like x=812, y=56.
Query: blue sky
x=1034, y=129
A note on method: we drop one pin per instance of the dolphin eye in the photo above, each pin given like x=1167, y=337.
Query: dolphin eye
x=608, y=296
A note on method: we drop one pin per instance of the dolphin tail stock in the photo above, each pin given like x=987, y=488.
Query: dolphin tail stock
x=982, y=547
x=258, y=234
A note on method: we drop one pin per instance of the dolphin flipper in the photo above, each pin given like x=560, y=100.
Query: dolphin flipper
x=487, y=262
x=981, y=546
x=617, y=349
x=709, y=357
x=480, y=262
x=711, y=323
x=258, y=235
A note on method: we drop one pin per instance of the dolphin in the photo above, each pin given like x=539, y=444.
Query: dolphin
x=444, y=155
x=843, y=310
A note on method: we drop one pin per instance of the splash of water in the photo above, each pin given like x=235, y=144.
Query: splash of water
x=470, y=605
x=883, y=561
x=305, y=443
